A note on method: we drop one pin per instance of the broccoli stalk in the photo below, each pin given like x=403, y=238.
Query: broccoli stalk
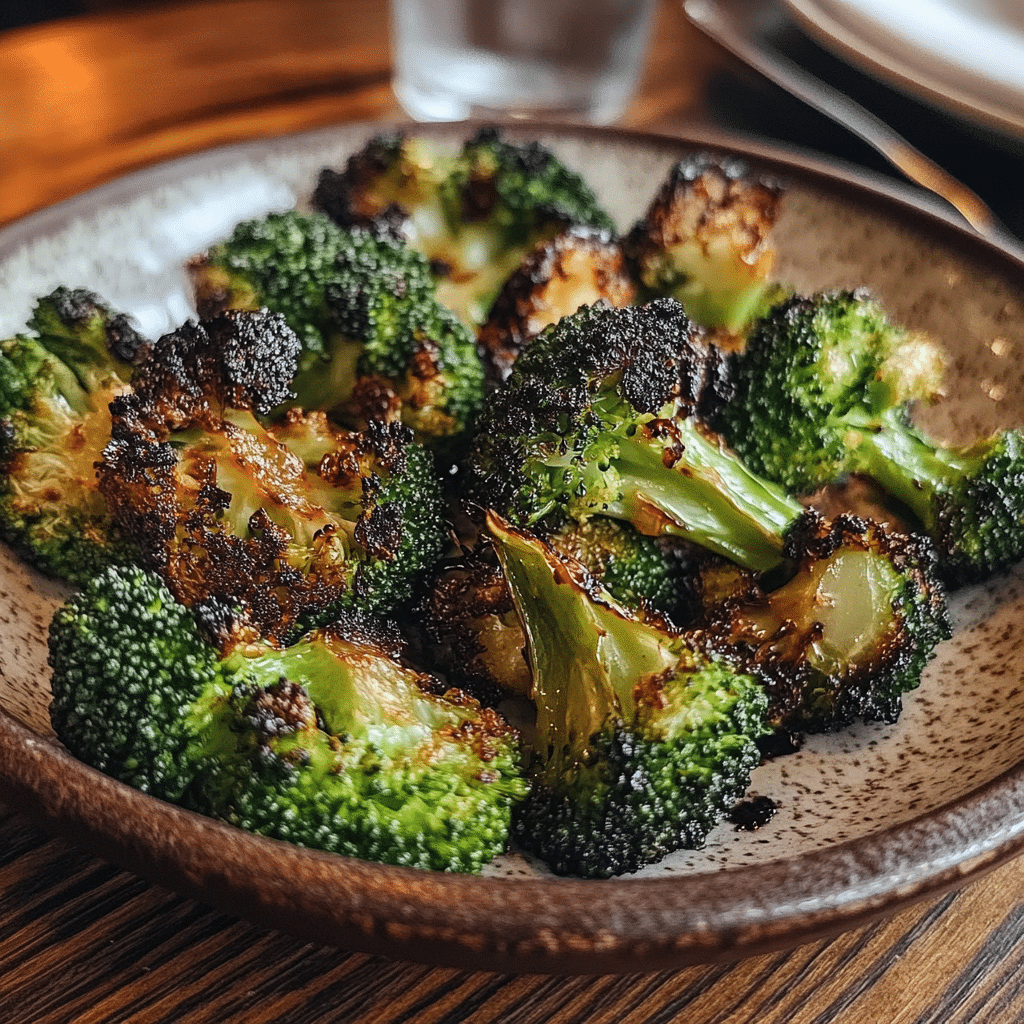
x=605, y=414
x=470, y=628
x=641, y=741
x=825, y=388
x=55, y=388
x=332, y=743
x=844, y=637
x=969, y=500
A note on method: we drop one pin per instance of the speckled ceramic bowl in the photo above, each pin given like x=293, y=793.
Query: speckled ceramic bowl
x=867, y=819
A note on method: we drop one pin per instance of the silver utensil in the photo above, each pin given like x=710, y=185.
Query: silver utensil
x=743, y=27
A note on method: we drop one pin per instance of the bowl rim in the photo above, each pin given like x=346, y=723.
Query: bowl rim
x=558, y=926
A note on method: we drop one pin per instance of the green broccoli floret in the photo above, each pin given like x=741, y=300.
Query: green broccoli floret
x=640, y=572
x=844, y=637
x=605, y=413
x=376, y=343
x=55, y=387
x=332, y=743
x=292, y=521
x=826, y=388
x=411, y=351
x=641, y=741
x=706, y=240
x=475, y=214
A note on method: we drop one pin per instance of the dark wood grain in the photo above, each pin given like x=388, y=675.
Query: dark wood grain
x=81, y=941
x=84, y=943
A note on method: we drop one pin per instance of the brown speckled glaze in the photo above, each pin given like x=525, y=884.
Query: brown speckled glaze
x=865, y=821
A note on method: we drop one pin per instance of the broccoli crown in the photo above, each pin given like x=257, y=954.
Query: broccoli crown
x=89, y=337
x=845, y=636
x=391, y=184
x=578, y=267
x=135, y=685
x=290, y=522
x=375, y=341
x=282, y=262
x=815, y=373
x=410, y=347
x=236, y=359
x=331, y=743
x=641, y=740
x=519, y=188
x=605, y=413
x=706, y=240
x=475, y=213
x=55, y=388
x=825, y=387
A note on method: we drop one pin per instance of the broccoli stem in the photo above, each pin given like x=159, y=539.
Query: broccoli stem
x=578, y=648
x=707, y=496
x=917, y=474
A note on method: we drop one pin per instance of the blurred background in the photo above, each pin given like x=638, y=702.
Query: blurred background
x=129, y=82
x=15, y=13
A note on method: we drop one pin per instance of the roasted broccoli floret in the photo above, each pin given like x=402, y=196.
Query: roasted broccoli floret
x=414, y=359
x=376, y=343
x=641, y=740
x=472, y=633
x=578, y=267
x=332, y=743
x=56, y=384
x=393, y=183
x=826, y=388
x=706, y=240
x=605, y=414
x=845, y=636
x=290, y=522
x=475, y=213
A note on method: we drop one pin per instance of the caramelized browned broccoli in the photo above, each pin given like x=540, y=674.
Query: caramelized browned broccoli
x=55, y=386
x=287, y=523
x=706, y=240
x=469, y=620
x=578, y=267
x=474, y=213
x=845, y=636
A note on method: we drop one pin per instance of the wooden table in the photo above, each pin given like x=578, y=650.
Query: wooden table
x=87, y=99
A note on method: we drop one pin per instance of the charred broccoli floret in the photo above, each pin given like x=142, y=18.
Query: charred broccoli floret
x=56, y=384
x=845, y=636
x=826, y=388
x=706, y=240
x=468, y=617
x=290, y=522
x=578, y=267
x=641, y=740
x=393, y=183
x=376, y=343
x=605, y=414
x=332, y=743
x=475, y=214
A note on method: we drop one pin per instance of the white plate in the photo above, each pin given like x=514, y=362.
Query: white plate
x=867, y=819
x=964, y=56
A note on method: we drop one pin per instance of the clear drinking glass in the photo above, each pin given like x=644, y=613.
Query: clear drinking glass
x=570, y=60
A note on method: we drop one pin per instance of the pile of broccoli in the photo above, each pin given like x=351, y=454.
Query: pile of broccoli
x=447, y=447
